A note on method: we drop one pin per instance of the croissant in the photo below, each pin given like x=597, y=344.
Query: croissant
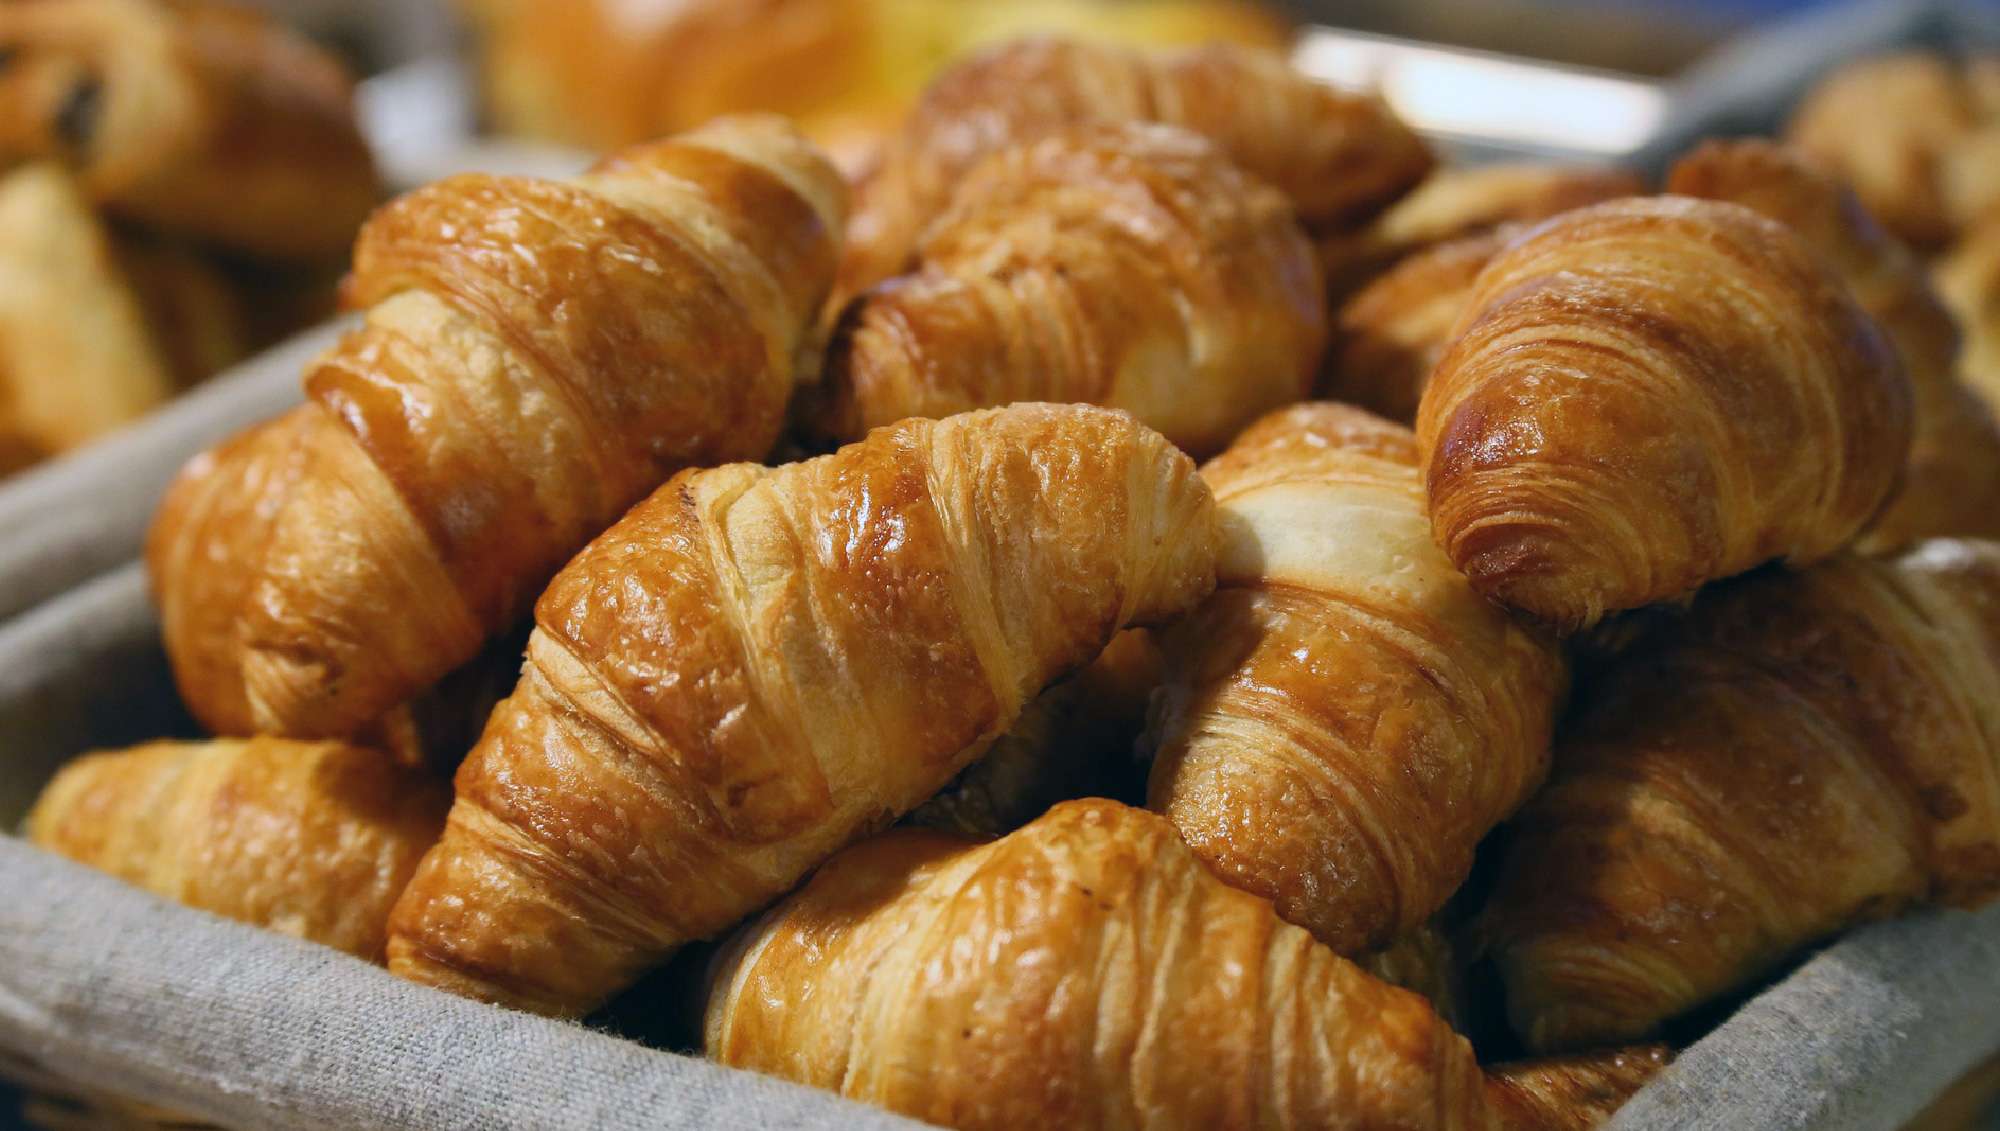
x=76, y=358
x=202, y=118
x=192, y=306
x=1649, y=394
x=1458, y=203
x=1392, y=333
x=1952, y=484
x=1345, y=719
x=1897, y=128
x=1802, y=752
x=537, y=356
x=1075, y=740
x=1425, y=962
x=1128, y=265
x=1339, y=157
x=314, y=839
x=1084, y=972
x=756, y=665
x=1571, y=1093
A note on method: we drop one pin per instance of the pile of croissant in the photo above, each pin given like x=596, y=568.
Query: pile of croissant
x=1676, y=582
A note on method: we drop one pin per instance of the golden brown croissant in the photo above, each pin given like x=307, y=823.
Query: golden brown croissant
x=1571, y=1093
x=1650, y=394
x=1123, y=264
x=537, y=357
x=1075, y=740
x=1952, y=484
x=1084, y=972
x=1457, y=203
x=1338, y=157
x=76, y=357
x=1345, y=719
x=1802, y=752
x=314, y=839
x=1390, y=335
x=1896, y=127
x=206, y=119
x=756, y=665
x=1425, y=962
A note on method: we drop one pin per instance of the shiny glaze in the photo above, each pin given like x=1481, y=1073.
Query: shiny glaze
x=1571, y=1093
x=1803, y=752
x=1650, y=394
x=1391, y=334
x=1128, y=265
x=756, y=665
x=537, y=356
x=1084, y=972
x=1345, y=719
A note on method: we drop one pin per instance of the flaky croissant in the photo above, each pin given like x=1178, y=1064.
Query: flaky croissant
x=1649, y=394
x=1389, y=336
x=1571, y=1093
x=1337, y=156
x=1802, y=752
x=1084, y=972
x=1458, y=203
x=757, y=665
x=537, y=356
x=314, y=839
x=1968, y=280
x=207, y=119
x=1952, y=484
x=76, y=357
x=1125, y=264
x=1345, y=718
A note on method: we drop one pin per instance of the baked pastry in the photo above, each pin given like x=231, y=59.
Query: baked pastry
x=1084, y=972
x=1123, y=264
x=1389, y=336
x=1571, y=1093
x=537, y=356
x=1650, y=394
x=1424, y=961
x=1457, y=203
x=1896, y=127
x=76, y=358
x=1345, y=719
x=193, y=308
x=1802, y=752
x=313, y=839
x=200, y=118
x=1339, y=157
x=757, y=665
x=1075, y=740
x=605, y=73
x=1952, y=484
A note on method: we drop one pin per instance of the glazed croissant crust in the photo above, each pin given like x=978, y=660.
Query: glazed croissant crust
x=202, y=118
x=1952, y=484
x=1345, y=719
x=1650, y=394
x=1128, y=265
x=1084, y=972
x=757, y=665
x=1803, y=752
x=537, y=356
x=1338, y=157
x=314, y=839
x=1571, y=1093
x=1389, y=336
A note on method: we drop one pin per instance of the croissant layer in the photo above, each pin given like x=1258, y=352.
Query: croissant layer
x=314, y=839
x=1083, y=972
x=1650, y=394
x=1345, y=719
x=757, y=665
x=536, y=357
